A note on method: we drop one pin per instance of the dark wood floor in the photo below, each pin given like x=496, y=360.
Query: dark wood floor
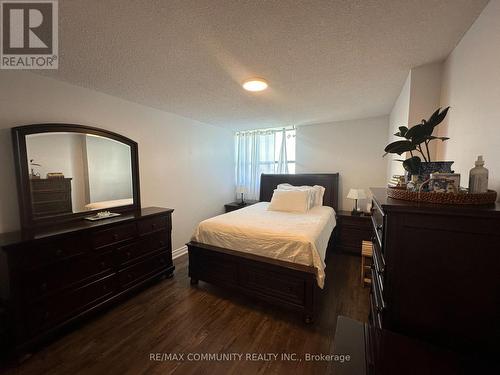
x=173, y=317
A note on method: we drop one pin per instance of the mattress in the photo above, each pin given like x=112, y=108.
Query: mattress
x=289, y=236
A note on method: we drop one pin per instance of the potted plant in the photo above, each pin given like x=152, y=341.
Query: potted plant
x=416, y=140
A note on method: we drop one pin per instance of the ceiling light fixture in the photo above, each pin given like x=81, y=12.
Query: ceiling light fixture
x=255, y=84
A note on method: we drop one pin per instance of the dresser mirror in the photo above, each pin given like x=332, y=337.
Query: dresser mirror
x=70, y=171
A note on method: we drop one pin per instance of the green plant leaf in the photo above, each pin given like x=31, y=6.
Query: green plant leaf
x=402, y=131
x=437, y=117
x=416, y=132
x=431, y=137
x=418, y=139
x=434, y=116
x=398, y=147
x=412, y=164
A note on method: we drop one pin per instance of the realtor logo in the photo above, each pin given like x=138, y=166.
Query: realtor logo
x=29, y=37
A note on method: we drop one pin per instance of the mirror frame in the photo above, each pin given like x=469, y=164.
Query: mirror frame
x=19, y=134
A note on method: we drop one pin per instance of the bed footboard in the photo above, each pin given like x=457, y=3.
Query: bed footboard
x=286, y=284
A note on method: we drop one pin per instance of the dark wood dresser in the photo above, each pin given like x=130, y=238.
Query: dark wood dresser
x=374, y=351
x=51, y=196
x=54, y=276
x=352, y=231
x=435, y=273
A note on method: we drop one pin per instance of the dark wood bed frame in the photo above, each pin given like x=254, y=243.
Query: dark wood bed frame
x=283, y=283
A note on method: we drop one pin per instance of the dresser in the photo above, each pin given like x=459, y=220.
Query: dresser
x=51, y=196
x=435, y=274
x=52, y=277
x=374, y=351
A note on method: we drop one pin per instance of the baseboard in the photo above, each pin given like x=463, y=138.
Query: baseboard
x=179, y=252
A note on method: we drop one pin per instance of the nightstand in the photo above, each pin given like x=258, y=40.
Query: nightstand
x=352, y=231
x=237, y=205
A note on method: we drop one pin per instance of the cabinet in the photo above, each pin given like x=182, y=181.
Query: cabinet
x=376, y=351
x=352, y=231
x=233, y=206
x=51, y=196
x=57, y=275
x=435, y=273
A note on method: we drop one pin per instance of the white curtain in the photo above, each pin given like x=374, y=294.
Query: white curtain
x=257, y=152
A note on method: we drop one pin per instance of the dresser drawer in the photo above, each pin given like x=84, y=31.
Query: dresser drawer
x=50, y=197
x=114, y=235
x=378, y=223
x=146, y=245
x=158, y=240
x=50, y=184
x=52, y=208
x=53, y=278
x=144, y=269
x=352, y=231
x=377, y=291
x=375, y=317
x=154, y=224
x=378, y=258
x=352, y=237
x=44, y=252
x=51, y=311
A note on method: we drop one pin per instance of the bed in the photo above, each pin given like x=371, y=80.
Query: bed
x=282, y=269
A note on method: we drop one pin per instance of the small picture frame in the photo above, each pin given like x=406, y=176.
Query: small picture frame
x=444, y=182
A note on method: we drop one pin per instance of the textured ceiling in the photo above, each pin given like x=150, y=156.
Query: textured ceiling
x=324, y=60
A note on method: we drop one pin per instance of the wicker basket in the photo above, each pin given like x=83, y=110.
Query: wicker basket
x=443, y=198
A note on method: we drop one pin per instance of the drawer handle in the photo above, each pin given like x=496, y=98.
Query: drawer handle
x=379, y=299
x=162, y=261
x=128, y=254
x=162, y=243
x=153, y=226
x=129, y=275
x=103, y=264
x=59, y=252
x=115, y=236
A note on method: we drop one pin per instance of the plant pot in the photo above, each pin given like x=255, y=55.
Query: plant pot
x=426, y=168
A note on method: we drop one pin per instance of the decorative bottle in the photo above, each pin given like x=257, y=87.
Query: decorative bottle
x=478, y=177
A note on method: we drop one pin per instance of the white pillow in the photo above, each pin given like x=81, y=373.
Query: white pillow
x=320, y=192
x=316, y=192
x=289, y=201
x=311, y=192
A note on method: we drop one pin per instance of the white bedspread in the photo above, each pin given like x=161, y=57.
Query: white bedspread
x=294, y=237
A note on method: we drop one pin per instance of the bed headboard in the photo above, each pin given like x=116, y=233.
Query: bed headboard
x=330, y=181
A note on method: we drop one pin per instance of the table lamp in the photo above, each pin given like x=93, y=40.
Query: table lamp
x=241, y=190
x=356, y=194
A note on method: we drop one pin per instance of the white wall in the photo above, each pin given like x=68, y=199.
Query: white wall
x=352, y=148
x=425, y=96
x=62, y=153
x=419, y=98
x=399, y=116
x=471, y=86
x=184, y=164
x=109, y=166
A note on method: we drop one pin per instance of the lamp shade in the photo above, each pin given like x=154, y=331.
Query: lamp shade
x=241, y=190
x=356, y=194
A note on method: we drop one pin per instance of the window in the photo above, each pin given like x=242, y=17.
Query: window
x=290, y=148
x=262, y=151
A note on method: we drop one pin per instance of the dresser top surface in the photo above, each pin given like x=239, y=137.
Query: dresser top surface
x=20, y=236
x=391, y=204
